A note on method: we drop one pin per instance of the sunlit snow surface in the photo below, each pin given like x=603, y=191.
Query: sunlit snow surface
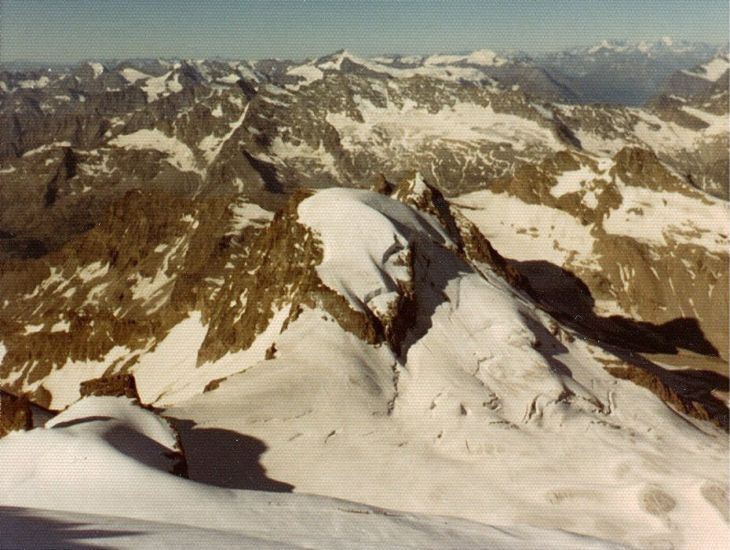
x=94, y=476
x=410, y=126
x=477, y=426
x=711, y=70
x=489, y=413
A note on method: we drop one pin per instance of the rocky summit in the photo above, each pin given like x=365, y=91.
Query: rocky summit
x=451, y=285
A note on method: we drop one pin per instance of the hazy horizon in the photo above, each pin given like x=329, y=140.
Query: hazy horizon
x=21, y=61
x=76, y=30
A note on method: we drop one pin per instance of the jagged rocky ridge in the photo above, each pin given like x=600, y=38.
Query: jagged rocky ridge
x=99, y=294
x=74, y=142
x=100, y=303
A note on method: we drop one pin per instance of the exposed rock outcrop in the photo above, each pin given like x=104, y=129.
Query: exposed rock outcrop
x=15, y=414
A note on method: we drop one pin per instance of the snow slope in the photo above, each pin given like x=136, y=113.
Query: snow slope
x=484, y=408
x=75, y=482
x=454, y=68
x=527, y=231
x=712, y=70
x=490, y=411
x=353, y=271
x=485, y=58
x=409, y=127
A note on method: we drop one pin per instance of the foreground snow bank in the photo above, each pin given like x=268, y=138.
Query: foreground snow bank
x=92, y=476
x=97, y=438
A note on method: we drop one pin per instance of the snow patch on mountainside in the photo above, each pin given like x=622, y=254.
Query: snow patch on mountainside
x=133, y=75
x=573, y=181
x=524, y=231
x=664, y=217
x=172, y=359
x=40, y=82
x=153, y=291
x=712, y=70
x=245, y=214
x=660, y=135
x=178, y=154
x=162, y=86
x=409, y=126
x=48, y=147
x=486, y=58
x=63, y=381
x=170, y=373
x=303, y=153
x=309, y=72
x=211, y=145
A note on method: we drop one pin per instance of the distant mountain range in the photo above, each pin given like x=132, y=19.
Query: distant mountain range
x=612, y=71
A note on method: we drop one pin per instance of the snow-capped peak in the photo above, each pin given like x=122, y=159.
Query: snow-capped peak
x=98, y=69
x=334, y=61
x=481, y=57
x=712, y=70
x=608, y=45
x=647, y=47
x=357, y=226
x=484, y=57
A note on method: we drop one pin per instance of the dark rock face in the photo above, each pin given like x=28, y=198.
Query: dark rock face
x=141, y=235
x=693, y=83
x=15, y=414
x=118, y=385
x=683, y=391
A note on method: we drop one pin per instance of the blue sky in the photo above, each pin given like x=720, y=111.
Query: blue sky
x=69, y=30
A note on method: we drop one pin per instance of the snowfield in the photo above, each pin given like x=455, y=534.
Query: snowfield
x=439, y=67
x=409, y=127
x=361, y=273
x=527, y=231
x=94, y=476
x=485, y=415
x=486, y=410
x=712, y=70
